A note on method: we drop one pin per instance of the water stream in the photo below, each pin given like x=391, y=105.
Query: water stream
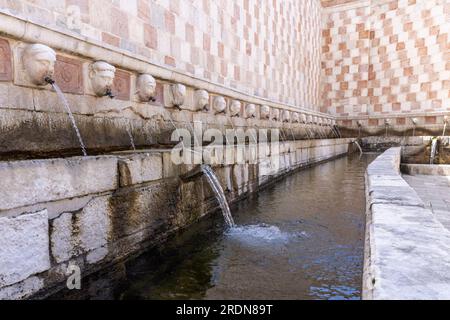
x=434, y=144
x=220, y=195
x=72, y=119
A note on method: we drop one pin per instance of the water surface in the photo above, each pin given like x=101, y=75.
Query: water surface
x=301, y=238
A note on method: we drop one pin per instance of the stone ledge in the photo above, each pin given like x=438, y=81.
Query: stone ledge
x=426, y=169
x=407, y=252
x=138, y=169
x=31, y=182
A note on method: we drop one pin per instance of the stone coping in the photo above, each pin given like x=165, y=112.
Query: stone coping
x=407, y=251
x=426, y=169
x=23, y=29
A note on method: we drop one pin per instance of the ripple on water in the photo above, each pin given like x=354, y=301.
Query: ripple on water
x=262, y=233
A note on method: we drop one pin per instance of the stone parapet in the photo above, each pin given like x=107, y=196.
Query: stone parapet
x=407, y=251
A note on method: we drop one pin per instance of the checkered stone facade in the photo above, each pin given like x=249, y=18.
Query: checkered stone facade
x=267, y=48
x=387, y=57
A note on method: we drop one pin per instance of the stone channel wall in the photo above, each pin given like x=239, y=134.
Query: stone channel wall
x=94, y=211
x=407, y=252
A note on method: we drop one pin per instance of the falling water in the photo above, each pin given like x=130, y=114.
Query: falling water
x=445, y=128
x=72, y=119
x=338, y=132
x=254, y=136
x=220, y=195
x=359, y=147
x=434, y=143
x=308, y=133
x=292, y=132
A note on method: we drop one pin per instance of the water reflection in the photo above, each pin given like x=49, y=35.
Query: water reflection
x=299, y=239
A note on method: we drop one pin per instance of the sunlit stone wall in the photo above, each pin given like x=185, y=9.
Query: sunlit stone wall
x=268, y=48
x=387, y=59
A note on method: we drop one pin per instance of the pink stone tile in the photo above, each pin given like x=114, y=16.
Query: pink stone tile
x=69, y=74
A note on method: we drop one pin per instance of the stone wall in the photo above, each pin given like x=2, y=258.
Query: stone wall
x=387, y=59
x=94, y=211
x=34, y=123
x=266, y=48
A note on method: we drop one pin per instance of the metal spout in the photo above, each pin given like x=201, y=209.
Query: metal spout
x=109, y=93
x=49, y=80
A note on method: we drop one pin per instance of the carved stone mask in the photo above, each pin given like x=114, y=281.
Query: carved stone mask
x=265, y=112
x=178, y=92
x=102, y=77
x=286, y=116
x=146, y=87
x=220, y=105
x=275, y=114
x=250, y=111
x=235, y=108
x=39, y=62
x=201, y=100
x=303, y=118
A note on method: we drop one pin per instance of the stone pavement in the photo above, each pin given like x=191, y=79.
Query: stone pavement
x=435, y=193
x=407, y=252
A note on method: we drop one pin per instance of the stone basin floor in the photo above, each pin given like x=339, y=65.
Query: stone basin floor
x=435, y=193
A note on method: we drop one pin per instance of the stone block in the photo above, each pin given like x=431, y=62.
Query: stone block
x=14, y=97
x=22, y=290
x=30, y=182
x=77, y=233
x=24, y=247
x=140, y=168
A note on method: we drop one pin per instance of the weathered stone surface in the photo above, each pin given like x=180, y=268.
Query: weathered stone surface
x=407, y=249
x=31, y=182
x=24, y=247
x=63, y=243
x=5, y=61
x=13, y=97
x=22, y=290
x=410, y=254
x=77, y=233
x=426, y=169
x=140, y=168
x=151, y=207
